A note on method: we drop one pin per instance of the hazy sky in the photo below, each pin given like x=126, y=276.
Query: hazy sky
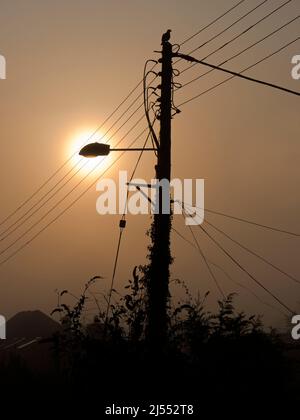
x=69, y=64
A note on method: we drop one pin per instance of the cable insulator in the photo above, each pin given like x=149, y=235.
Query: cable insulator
x=122, y=224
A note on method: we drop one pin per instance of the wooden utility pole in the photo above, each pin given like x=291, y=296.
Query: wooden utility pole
x=158, y=289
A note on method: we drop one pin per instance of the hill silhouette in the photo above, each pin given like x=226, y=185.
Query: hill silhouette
x=31, y=324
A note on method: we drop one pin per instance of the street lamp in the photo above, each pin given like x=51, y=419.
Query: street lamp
x=93, y=150
x=160, y=255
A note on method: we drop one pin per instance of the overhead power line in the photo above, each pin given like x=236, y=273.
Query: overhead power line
x=56, y=191
x=63, y=198
x=240, y=219
x=234, y=260
x=242, y=71
x=206, y=263
x=70, y=158
x=16, y=225
x=238, y=35
x=98, y=128
x=70, y=205
x=105, y=121
x=120, y=104
x=211, y=23
x=252, y=252
x=252, y=79
x=237, y=54
x=242, y=286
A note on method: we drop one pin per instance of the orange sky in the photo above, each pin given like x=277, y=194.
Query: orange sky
x=69, y=64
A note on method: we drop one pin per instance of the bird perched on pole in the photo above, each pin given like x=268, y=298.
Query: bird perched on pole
x=166, y=36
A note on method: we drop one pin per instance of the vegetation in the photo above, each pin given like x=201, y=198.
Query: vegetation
x=208, y=354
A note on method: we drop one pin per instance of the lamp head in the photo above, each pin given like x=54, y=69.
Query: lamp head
x=93, y=150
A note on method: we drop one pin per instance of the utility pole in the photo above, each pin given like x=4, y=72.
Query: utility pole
x=158, y=288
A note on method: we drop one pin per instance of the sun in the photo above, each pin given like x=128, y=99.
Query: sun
x=76, y=141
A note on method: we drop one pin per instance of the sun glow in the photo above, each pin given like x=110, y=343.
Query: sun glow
x=81, y=164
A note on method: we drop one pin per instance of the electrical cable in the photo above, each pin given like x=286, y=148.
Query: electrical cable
x=238, y=35
x=70, y=158
x=211, y=23
x=252, y=79
x=237, y=54
x=246, y=271
x=252, y=252
x=69, y=206
x=3, y=234
x=242, y=71
x=242, y=286
x=240, y=219
x=206, y=262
